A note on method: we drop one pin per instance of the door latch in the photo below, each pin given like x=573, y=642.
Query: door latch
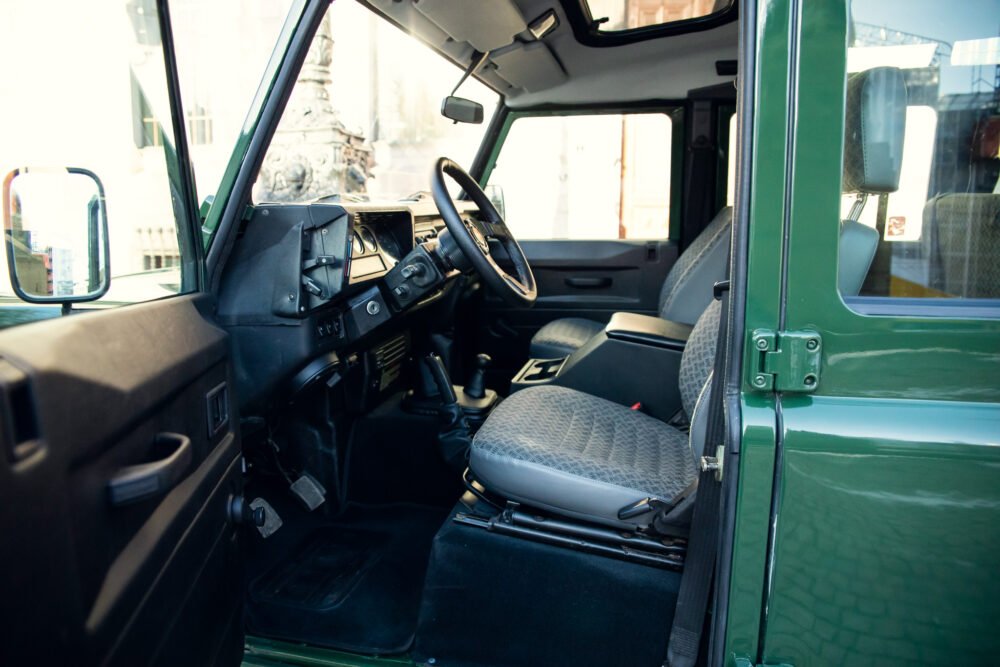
x=787, y=361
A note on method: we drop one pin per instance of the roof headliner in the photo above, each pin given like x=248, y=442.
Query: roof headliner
x=663, y=68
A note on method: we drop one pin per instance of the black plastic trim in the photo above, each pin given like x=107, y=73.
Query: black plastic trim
x=588, y=32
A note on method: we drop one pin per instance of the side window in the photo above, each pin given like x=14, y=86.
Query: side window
x=601, y=176
x=222, y=51
x=938, y=219
x=93, y=101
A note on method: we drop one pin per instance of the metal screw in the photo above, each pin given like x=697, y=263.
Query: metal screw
x=759, y=381
x=810, y=380
x=291, y=296
x=324, y=230
x=812, y=344
x=761, y=344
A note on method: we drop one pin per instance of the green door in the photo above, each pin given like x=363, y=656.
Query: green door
x=869, y=504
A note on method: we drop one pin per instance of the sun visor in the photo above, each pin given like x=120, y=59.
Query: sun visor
x=531, y=67
x=485, y=25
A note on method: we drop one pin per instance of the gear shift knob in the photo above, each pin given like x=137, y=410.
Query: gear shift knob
x=476, y=386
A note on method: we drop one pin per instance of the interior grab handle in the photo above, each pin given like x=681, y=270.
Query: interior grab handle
x=146, y=480
x=589, y=283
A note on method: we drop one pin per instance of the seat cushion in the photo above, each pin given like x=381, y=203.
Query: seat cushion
x=578, y=455
x=560, y=338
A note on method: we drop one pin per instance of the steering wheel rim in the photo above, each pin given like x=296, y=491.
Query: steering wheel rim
x=473, y=237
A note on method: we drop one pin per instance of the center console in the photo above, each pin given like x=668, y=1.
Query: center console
x=634, y=360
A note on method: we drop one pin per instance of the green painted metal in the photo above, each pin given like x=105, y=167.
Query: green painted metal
x=753, y=502
x=888, y=498
x=763, y=298
x=785, y=360
x=260, y=652
x=252, y=122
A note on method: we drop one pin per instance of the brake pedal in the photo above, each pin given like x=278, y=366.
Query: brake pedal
x=272, y=522
x=310, y=492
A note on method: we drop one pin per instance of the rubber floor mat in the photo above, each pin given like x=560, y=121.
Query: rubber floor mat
x=353, y=585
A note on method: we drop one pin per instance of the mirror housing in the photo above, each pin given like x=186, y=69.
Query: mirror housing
x=56, y=235
x=462, y=110
x=495, y=193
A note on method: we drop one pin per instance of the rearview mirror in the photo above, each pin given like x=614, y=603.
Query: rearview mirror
x=462, y=110
x=56, y=235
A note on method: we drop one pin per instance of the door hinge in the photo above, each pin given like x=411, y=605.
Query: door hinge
x=786, y=361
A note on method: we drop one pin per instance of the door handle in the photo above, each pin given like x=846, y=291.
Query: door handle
x=589, y=283
x=145, y=480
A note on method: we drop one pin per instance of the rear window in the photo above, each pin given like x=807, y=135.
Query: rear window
x=622, y=15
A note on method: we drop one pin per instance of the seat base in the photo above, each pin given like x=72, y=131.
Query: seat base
x=580, y=456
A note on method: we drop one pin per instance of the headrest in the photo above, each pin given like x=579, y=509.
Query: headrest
x=873, y=131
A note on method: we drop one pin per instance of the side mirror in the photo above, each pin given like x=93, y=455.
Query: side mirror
x=495, y=193
x=56, y=235
x=462, y=110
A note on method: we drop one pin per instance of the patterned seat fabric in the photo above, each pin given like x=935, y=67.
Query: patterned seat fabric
x=685, y=294
x=582, y=456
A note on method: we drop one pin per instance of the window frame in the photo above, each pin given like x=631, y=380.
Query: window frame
x=505, y=118
x=588, y=32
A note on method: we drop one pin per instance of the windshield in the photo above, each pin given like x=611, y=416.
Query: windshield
x=363, y=121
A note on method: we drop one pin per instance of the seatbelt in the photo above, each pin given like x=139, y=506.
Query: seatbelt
x=703, y=540
x=699, y=185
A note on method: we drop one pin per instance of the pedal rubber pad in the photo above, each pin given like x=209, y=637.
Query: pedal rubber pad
x=310, y=492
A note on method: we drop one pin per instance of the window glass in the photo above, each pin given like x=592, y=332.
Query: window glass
x=223, y=47
x=93, y=99
x=586, y=177
x=939, y=232
x=363, y=121
x=628, y=14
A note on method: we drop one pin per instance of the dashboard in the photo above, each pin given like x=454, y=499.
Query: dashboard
x=327, y=282
x=378, y=240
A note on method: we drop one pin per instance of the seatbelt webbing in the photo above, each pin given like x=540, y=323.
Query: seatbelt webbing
x=703, y=541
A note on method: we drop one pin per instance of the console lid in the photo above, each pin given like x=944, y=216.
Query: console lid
x=648, y=330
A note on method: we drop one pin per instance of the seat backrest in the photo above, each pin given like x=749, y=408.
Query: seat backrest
x=963, y=232
x=698, y=358
x=874, y=126
x=687, y=291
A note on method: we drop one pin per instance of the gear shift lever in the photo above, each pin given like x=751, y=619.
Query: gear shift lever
x=454, y=438
x=476, y=387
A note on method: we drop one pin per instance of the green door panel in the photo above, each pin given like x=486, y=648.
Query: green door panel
x=886, y=518
x=887, y=533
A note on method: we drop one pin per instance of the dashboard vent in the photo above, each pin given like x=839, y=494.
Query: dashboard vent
x=392, y=351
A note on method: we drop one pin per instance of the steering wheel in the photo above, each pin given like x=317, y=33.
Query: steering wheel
x=473, y=236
